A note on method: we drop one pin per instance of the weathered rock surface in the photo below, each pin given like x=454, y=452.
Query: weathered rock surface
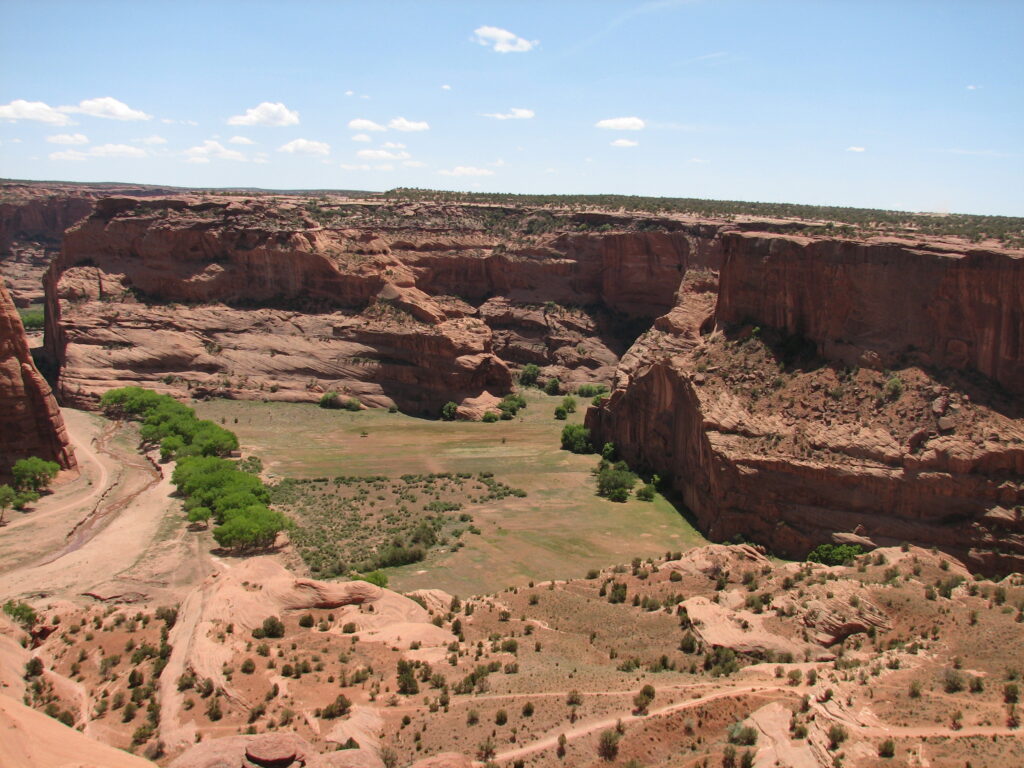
x=788, y=452
x=944, y=307
x=30, y=421
x=254, y=299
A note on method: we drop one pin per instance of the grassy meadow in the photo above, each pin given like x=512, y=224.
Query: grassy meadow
x=560, y=529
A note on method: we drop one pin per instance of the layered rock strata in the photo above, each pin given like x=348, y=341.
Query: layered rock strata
x=782, y=428
x=256, y=299
x=30, y=421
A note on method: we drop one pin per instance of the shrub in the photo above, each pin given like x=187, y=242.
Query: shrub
x=528, y=376
x=646, y=493
x=448, y=411
x=490, y=417
x=337, y=708
x=608, y=745
x=887, y=748
x=561, y=414
x=375, y=577
x=553, y=386
x=834, y=554
x=836, y=736
x=32, y=319
x=329, y=400
x=22, y=613
x=272, y=627
x=576, y=438
x=569, y=404
x=894, y=388
x=744, y=735
x=591, y=390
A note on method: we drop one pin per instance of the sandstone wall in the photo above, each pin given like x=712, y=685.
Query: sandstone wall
x=30, y=421
x=947, y=307
x=240, y=298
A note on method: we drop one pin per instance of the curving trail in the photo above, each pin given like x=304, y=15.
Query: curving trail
x=89, y=537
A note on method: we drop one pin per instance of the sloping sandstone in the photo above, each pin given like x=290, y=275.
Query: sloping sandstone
x=30, y=421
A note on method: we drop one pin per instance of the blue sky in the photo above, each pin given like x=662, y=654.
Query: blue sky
x=909, y=105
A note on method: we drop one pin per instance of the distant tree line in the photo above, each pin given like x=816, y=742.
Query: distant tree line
x=1007, y=229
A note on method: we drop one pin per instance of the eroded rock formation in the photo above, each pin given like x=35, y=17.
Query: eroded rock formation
x=257, y=299
x=30, y=421
x=781, y=426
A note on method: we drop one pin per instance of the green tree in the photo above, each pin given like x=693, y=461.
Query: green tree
x=23, y=613
x=561, y=414
x=34, y=474
x=528, y=376
x=552, y=386
x=7, y=497
x=576, y=438
x=569, y=403
x=448, y=411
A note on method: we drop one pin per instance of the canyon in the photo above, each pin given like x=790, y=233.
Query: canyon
x=782, y=387
x=794, y=389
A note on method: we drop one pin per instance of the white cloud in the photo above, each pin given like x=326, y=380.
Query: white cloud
x=116, y=150
x=621, y=124
x=266, y=113
x=497, y=163
x=241, y=140
x=19, y=109
x=361, y=167
x=150, y=140
x=697, y=160
x=855, y=149
x=467, y=170
x=446, y=87
x=625, y=143
x=414, y=164
x=973, y=87
x=108, y=108
x=392, y=145
x=385, y=167
x=361, y=124
x=401, y=124
x=69, y=154
x=515, y=113
x=361, y=137
x=382, y=154
x=501, y=40
x=104, y=150
x=306, y=147
x=68, y=138
x=210, y=149
x=350, y=93
x=261, y=157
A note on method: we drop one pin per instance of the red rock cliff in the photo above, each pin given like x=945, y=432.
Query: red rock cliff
x=253, y=298
x=795, y=451
x=30, y=421
x=948, y=307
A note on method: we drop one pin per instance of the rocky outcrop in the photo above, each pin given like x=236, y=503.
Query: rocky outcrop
x=30, y=421
x=883, y=301
x=787, y=451
x=251, y=298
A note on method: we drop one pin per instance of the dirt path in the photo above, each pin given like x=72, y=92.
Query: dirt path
x=585, y=729
x=91, y=533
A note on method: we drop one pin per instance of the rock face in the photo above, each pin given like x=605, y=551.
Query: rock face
x=947, y=307
x=30, y=421
x=768, y=437
x=256, y=299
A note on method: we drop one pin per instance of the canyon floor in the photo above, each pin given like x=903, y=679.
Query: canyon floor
x=903, y=644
